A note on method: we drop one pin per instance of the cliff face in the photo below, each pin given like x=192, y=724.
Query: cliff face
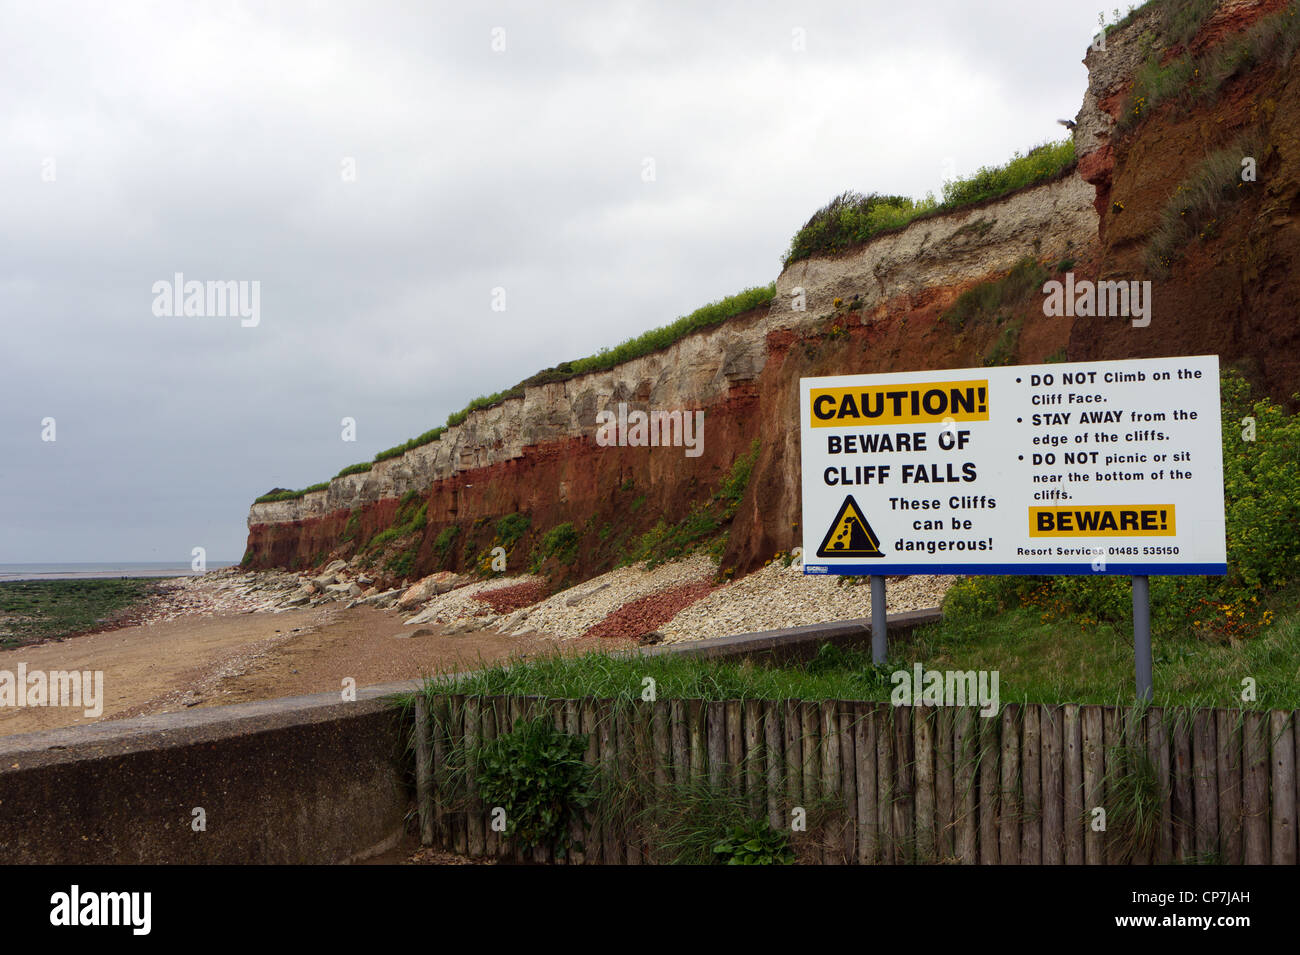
x=1232, y=293
x=538, y=455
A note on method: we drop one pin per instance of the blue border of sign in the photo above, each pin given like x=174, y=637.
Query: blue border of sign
x=1128, y=570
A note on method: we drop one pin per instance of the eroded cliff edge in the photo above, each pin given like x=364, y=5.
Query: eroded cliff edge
x=886, y=306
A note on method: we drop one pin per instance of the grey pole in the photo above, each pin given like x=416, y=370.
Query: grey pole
x=1142, y=636
x=879, y=644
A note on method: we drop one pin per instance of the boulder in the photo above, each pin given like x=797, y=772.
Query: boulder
x=582, y=594
x=429, y=587
x=325, y=580
x=334, y=566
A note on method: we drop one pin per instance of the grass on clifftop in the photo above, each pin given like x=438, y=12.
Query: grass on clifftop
x=1188, y=80
x=707, y=316
x=850, y=219
x=35, y=610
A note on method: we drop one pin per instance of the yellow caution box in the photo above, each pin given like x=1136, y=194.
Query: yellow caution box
x=927, y=403
x=1112, y=520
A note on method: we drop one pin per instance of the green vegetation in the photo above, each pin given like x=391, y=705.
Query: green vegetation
x=537, y=775
x=411, y=517
x=1199, y=202
x=754, y=842
x=1044, y=162
x=1060, y=659
x=1186, y=80
x=427, y=438
x=36, y=610
x=403, y=563
x=707, y=316
x=704, y=522
x=1003, y=351
x=353, y=527
x=1212, y=631
x=987, y=299
x=851, y=218
x=852, y=676
x=511, y=528
x=284, y=494
x=445, y=542
x=715, y=313
x=1135, y=801
x=559, y=543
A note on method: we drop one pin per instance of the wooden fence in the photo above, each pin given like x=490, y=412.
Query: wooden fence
x=892, y=785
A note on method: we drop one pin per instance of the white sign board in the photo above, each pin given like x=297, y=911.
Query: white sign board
x=1088, y=467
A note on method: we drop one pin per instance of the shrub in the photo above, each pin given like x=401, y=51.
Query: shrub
x=1003, y=351
x=1186, y=80
x=283, y=494
x=361, y=468
x=851, y=219
x=1045, y=161
x=754, y=842
x=403, y=563
x=560, y=542
x=445, y=541
x=986, y=299
x=736, y=481
x=537, y=775
x=427, y=438
x=1197, y=204
x=511, y=528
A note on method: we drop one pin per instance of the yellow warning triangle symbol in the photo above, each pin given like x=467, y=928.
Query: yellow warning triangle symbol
x=850, y=534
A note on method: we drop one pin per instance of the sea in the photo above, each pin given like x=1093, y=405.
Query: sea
x=89, y=571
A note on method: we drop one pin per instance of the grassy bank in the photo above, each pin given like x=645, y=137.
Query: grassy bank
x=36, y=610
x=1037, y=662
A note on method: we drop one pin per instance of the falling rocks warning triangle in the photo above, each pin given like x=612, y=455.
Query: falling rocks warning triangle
x=850, y=534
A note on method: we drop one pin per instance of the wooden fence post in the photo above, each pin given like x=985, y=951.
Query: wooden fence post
x=1255, y=782
x=1051, y=732
x=923, y=756
x=1031, y=787
x=1282, y=741
x=1228, y=737
x=990, y=757
x=864, y=745
x=1009, y=797
x=423, y=769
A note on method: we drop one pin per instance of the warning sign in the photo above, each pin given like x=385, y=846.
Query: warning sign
x=850, y=534
x=1070, y=468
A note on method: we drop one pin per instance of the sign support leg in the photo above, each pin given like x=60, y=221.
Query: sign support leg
x=879, y=640
x=1142, y=636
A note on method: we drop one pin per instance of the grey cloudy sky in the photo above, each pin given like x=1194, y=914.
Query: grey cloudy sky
x=142, y=140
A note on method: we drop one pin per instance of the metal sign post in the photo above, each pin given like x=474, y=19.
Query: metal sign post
x=1142, y=636
x=879, y=644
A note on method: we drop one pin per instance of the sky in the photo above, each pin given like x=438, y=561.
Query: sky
x=435, y=200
